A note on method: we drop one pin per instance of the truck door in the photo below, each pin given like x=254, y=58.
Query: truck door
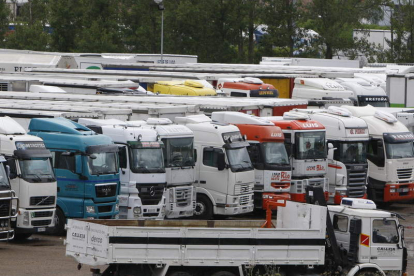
x=386, y=244
x=341, y=227
x=69, y=184
x=210, y=177
x=125, y=171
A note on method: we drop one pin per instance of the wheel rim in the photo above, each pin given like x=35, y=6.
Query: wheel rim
x=200, y=209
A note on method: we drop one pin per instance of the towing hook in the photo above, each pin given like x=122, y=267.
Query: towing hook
x=79, y=266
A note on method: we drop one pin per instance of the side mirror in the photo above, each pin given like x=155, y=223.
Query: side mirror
x=7, y=170
x=331, y=150
x=221, y=162
x=11, y=163
x=78, y=164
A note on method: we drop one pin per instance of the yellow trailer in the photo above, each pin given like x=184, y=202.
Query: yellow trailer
x=183, y=88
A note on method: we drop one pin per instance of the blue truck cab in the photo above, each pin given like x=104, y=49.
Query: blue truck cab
x=86, y=167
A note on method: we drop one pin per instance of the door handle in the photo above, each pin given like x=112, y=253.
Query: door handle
x=203, y=182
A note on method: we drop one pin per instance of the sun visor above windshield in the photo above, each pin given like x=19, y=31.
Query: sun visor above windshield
x=32, y=153
x=401, y=137
x=102, y=148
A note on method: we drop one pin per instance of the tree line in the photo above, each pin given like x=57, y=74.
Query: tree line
x=215, y=30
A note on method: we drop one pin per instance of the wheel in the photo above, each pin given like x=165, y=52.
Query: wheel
x=204, y=208
x=22, y=236
x=60, y=220
x=223, y=273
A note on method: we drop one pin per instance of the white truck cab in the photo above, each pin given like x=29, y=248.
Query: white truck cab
x=224, y=173
x=374, y=238
x=390, y=156
x=31, y=177
x=179, y=164
x=142, y=172
x=322, y=92
x=365, y=92
x=347, y=138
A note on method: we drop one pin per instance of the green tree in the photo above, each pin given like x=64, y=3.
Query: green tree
x=31, y=27
x=4, y=20
x=335, y=20
x=101, y=27
x=65, y=20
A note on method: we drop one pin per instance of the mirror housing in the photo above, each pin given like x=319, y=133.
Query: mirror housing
x=221, y=162
x=331, y=150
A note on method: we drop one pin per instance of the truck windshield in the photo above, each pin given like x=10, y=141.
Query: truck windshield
x=399, y=150
x=147, y=160
x=4, y=180
x=352, y=152
x=310, y=145
x=178, y=152
x=239, y=159
x=37, y=170
x=103, y=163
x=275, y=154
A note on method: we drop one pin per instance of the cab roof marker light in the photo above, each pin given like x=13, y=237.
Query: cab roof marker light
x=339, y=111
x=385, y=116
x=295, y=116
x=358, y=203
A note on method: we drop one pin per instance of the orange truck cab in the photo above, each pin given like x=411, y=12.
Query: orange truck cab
x=305, y=142
x=267, y=153
x=246, y=87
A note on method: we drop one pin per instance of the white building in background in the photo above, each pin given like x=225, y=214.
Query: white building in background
x=15, y=6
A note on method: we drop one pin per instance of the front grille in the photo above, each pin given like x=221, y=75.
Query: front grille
x=243, y=189
x=106, y=190
x=105, y=209
x=244, y=200
x=41, y=222
x=4, y=86
x=42, y=200
x=315, y=182
x=43, y=214
x=150, y=194
x=404, y=173
x=357, y=177
x=5, y=208
x=183, y=196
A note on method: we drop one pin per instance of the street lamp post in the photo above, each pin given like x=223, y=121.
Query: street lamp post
x=161, y=8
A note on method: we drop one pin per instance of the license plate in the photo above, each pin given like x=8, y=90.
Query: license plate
x=41, y=229
x=152, y=210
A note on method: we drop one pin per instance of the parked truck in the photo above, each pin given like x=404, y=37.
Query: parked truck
x=246, y=87
x=223, y=187
x=142, y=172
x=351, y=239
x=267, y=153
x=9, y=203
x=347, y=138
x=31, y=177
x=390, y=156
x=179, y=162
x=86, y=166
x=306, y=146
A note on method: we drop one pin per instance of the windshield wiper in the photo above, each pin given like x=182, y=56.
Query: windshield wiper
x=37, y=177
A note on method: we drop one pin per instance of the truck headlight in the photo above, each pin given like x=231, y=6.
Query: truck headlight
x=137, y=210
x=90, y=209
x=26, y=218
x=117, y=207
x=171, y=194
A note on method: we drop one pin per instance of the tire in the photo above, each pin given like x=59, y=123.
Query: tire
x=223, y=273
x=204, y=208
x=60, y=221
x=22, y=236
